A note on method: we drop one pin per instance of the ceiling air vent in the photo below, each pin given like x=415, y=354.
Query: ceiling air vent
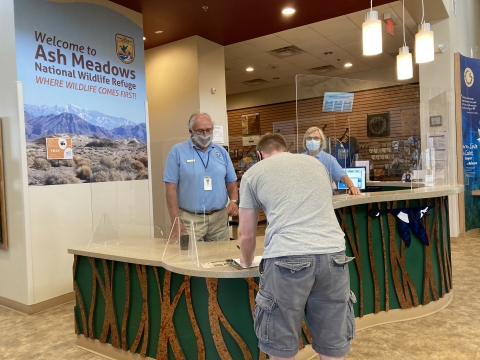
x=286, y=51
x=323, y=69
x=255, y=82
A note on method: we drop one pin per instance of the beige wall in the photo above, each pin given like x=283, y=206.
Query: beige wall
x=15, y=263
x=44, y=221
x=180, y=76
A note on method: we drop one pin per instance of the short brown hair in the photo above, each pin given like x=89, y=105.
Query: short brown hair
x=271, y=142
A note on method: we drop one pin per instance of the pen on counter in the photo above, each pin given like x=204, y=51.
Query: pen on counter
x=238, y=247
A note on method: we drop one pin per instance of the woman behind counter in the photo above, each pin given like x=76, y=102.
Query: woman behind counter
x=314, y=141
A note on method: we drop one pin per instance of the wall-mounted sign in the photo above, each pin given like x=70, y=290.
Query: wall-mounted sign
x=436, y=120
x=251, y=124
x=378, y=125
x=59, y=148
x=338, y=102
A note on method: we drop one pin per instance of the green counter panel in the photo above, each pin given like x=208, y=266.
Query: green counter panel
x=164, y=315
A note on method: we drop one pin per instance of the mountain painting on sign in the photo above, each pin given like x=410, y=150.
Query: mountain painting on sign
x=105, y=148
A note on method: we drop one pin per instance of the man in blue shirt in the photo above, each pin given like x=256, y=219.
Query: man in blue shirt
x=198, y=177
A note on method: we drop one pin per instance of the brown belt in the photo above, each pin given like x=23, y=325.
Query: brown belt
x=210, y=212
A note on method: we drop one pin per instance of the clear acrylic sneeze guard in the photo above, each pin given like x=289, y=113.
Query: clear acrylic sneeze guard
x=104, y=234
x=182, y=242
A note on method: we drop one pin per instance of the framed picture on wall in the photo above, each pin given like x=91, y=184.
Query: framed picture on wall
x=251, y=124
x=3, y=212
x=378, y=125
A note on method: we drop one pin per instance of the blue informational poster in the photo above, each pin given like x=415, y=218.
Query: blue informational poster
x=470, y=101
x=82, y=71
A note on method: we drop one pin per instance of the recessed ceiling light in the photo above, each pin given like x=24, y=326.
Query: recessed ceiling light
x=348, y=64
x=249, y=69
x=158, y=31
x=144, y=38
x=288, y=11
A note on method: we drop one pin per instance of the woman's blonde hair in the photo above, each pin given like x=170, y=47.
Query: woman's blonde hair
x=323, y=141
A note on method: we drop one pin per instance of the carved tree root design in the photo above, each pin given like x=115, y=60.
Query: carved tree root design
x=385, y=267
x=342, y=212
x=372, y=263
x=143, y=327
x=216, y=317
x=428, y=278
x=110, y=322
x=93, y=301
x=397, y=260
x=81, y=305
x=193, y=321
x=438, y=247
x=167, y=330
x=126, y=309
x=446, y=257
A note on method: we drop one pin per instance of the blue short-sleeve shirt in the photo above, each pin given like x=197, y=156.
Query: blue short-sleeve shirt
x=184, y=167
x=333, y=167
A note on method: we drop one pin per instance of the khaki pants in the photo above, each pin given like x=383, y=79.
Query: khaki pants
x=212, y=227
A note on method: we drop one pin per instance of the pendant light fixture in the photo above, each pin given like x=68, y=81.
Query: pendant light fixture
x=404, y=58
x=424, y=47
x=372, y=33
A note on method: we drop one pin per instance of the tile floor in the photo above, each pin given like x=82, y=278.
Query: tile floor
x=453, y=333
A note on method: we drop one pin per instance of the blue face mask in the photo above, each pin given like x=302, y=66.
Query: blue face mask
x=313, y=145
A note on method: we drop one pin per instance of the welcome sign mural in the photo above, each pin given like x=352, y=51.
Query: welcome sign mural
x=81, y=66
x=470, y=99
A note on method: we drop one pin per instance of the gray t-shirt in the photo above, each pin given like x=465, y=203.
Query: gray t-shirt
x=295, y=194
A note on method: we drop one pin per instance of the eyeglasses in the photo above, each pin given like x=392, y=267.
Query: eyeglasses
x=203, y=131
x=313, y=138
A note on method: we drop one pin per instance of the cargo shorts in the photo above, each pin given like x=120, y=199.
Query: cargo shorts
x=317, y=286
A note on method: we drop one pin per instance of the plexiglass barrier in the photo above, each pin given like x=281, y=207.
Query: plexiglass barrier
x=396, y=132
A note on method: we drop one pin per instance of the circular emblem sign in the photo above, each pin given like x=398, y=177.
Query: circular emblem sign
x=468, y=77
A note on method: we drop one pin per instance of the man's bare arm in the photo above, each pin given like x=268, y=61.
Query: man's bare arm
x=247, y=229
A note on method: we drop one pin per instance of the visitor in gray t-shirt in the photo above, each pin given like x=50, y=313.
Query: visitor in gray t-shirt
x=304, y=267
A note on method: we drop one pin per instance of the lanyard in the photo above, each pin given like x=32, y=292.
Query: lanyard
x=208, y=160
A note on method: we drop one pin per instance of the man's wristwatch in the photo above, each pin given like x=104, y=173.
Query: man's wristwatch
x=235, y=201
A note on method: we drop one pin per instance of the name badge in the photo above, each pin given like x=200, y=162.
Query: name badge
x=207, y=183
x=190, y=160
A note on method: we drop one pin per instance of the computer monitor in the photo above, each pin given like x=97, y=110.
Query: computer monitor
x=358, y=177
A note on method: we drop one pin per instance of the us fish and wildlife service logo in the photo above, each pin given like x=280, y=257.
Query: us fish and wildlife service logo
x=125, y=48
x=468, y=77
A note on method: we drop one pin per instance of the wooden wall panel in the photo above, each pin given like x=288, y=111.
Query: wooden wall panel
x=392, y=99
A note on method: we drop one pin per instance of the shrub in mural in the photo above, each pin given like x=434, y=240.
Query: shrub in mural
x=105, y=148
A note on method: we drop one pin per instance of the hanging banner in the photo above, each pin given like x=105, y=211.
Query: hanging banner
x=82, y=69
x=470, y=101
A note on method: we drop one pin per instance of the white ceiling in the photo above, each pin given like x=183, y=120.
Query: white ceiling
x=342, y=36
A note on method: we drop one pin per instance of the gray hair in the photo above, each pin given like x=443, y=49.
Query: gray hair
x=193, y=116
x=323, y=141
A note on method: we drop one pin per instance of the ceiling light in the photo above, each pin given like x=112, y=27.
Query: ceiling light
x=288, y=11
x=348, y=64
x=158, y=31
x=144, y=38
x=424, y=48
x=372, y=33
x=404, y=58
x=249, y=69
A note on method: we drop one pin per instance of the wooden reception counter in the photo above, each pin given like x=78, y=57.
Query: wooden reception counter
x=130, y=299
